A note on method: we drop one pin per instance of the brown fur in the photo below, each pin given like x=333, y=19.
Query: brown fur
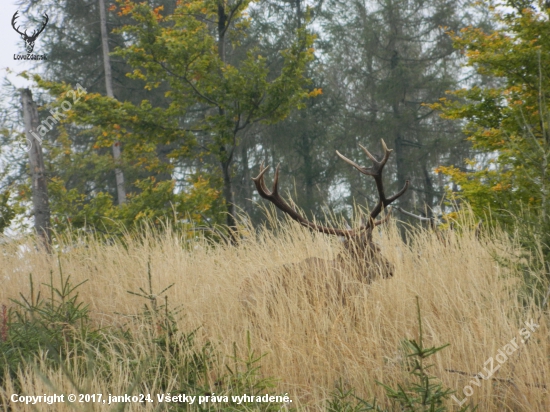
x=319, y=279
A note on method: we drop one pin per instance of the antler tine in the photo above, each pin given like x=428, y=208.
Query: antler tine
x=376, y=172
x=386, y=150
x=378, y=165
x=260, y=182
x=385, y=202
x=274, y=197
x=385, y=219
x=387, y=153
x=370, y=156
x=398, y=194
x=362, y=169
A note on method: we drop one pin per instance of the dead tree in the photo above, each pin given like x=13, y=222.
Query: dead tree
x=40, y=199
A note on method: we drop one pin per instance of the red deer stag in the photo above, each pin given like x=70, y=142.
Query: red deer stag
x=361, y=256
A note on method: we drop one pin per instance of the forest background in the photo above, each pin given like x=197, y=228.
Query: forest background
x=140, y=133
x=195, y=95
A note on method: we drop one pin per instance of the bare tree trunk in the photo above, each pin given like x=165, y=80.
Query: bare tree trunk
x=429, y=194
x=299, y=13
x=401, y=163
x=40, y=199
x=119, y=175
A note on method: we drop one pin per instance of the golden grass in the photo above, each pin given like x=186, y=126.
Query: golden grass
x=466, y=299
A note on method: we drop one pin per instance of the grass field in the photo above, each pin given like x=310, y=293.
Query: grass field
x=312, y=341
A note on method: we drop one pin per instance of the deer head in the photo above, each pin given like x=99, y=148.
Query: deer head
x=29, y=40
x=359, y=244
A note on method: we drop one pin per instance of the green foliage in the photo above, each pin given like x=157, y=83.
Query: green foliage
x=508, y=124
x=423, y=393
x=58, y=330
x=152, y=194
x=346, y=401
x=51, y=327
x=7, y=211
x=10, y=206
x=181, y=49
x=217, y=83
x=200, y=70
x=507, y=121
x=156, y=203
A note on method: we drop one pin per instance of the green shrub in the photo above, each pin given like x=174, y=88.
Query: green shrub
x=58, y=328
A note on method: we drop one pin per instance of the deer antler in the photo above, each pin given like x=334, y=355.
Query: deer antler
x=274, y=197
x=375, y=171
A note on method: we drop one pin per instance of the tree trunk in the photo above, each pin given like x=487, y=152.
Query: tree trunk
x=40, y=198
x=429, y=195
x=299, y=13
x=245, y=193
x=162, y=153
x=401, y=163
x=226, y=158
x=119, y=175
x=229, y=201
x=305, y=150
x=309, y=183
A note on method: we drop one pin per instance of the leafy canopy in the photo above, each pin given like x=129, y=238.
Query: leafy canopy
x=212, y=92
x=508, y=121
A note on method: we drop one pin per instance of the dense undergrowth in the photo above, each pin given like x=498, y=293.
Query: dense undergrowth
x=160, y=314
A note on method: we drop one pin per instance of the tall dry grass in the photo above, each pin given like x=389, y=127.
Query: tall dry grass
x=312, y=340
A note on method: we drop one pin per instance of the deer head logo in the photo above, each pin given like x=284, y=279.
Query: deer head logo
x=29, y=40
